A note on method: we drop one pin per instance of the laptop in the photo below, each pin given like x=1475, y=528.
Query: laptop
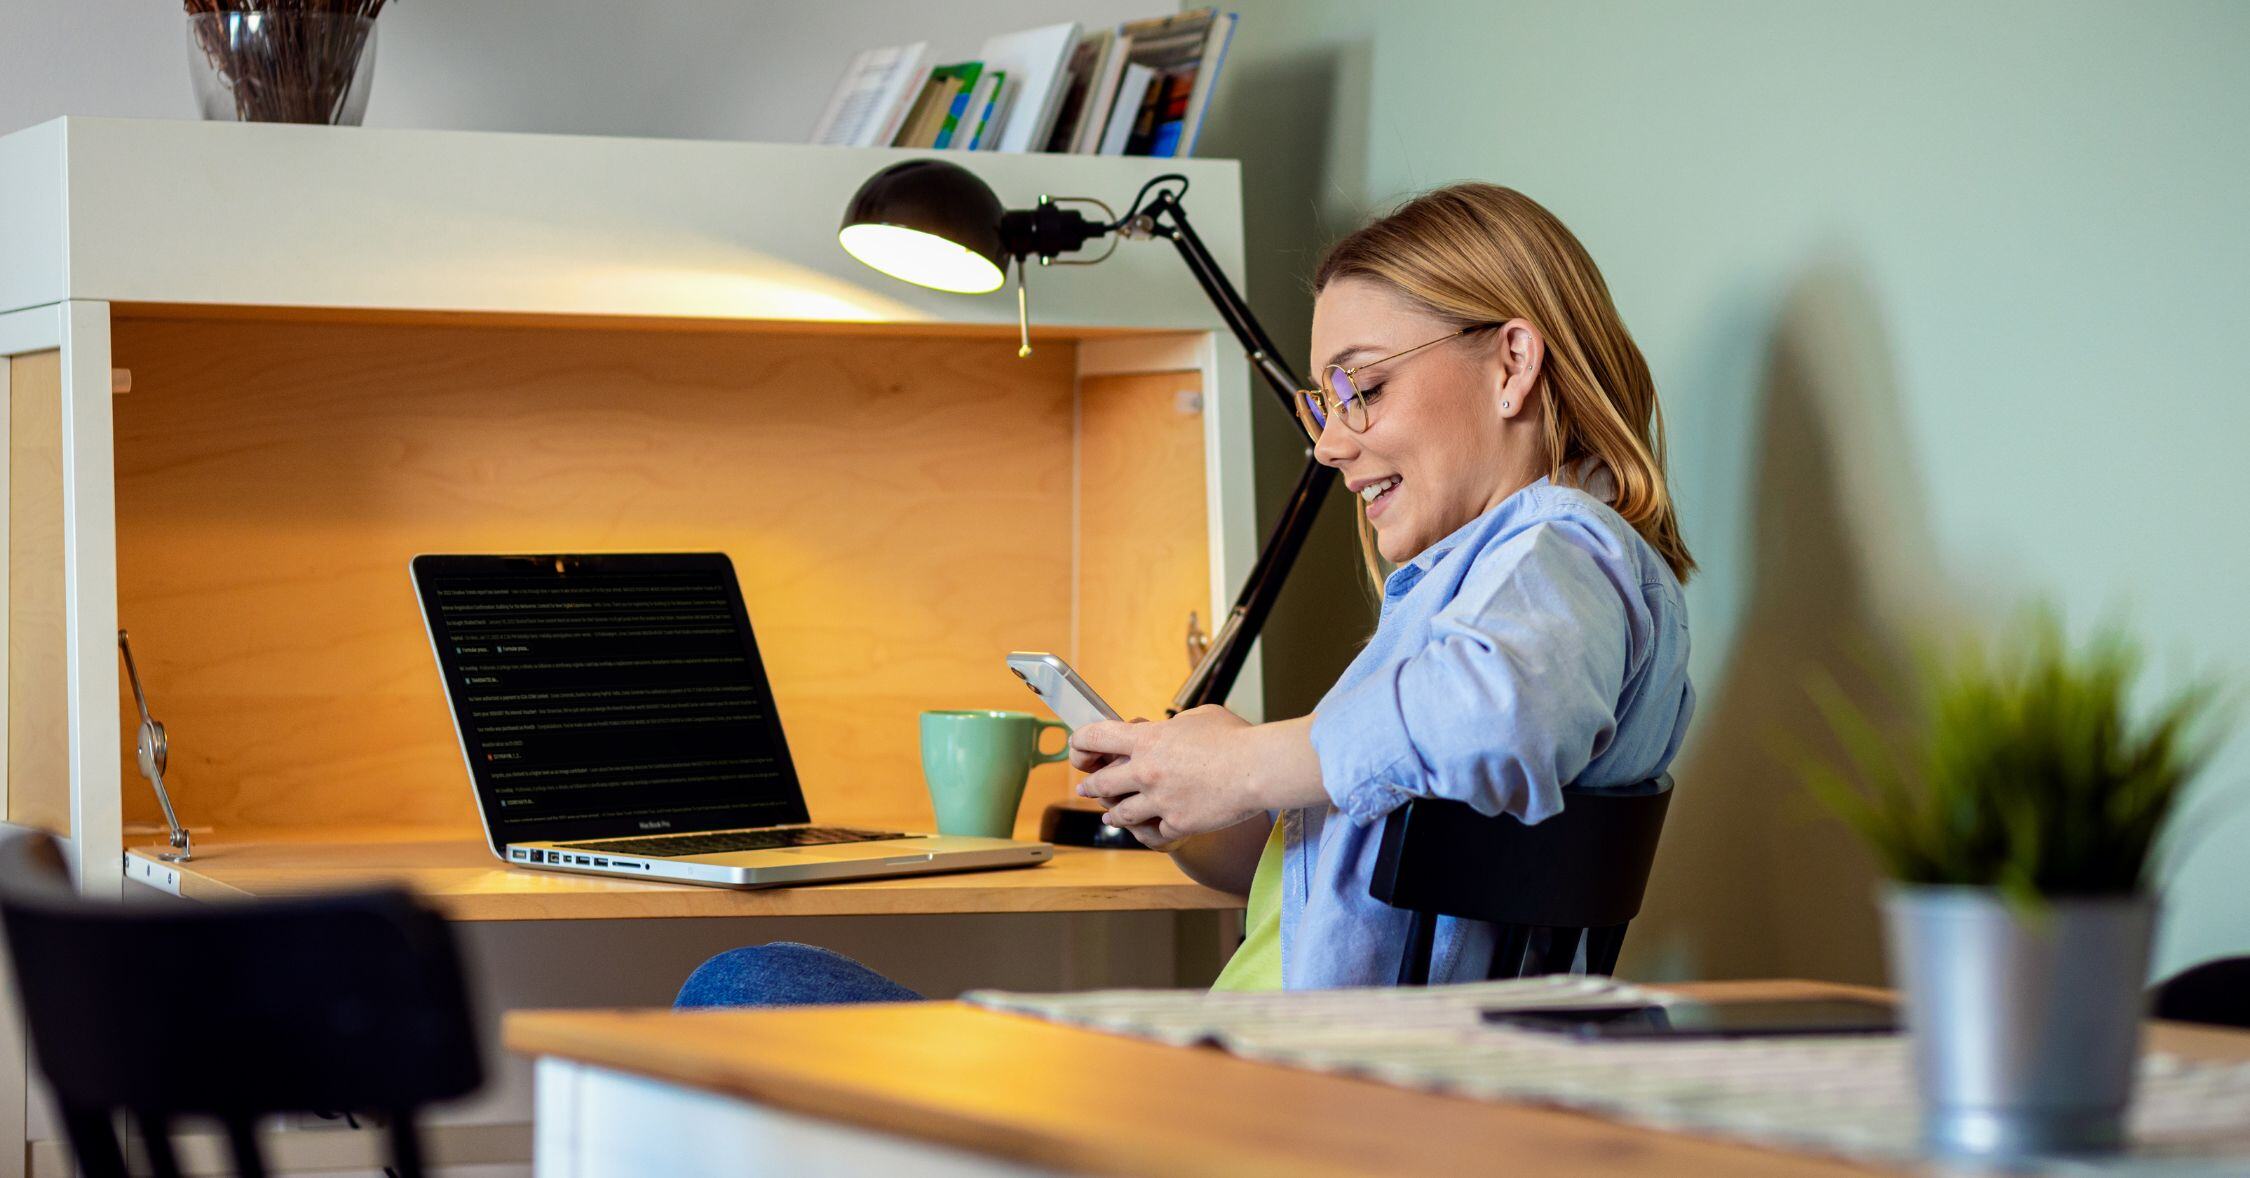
x=616, y=720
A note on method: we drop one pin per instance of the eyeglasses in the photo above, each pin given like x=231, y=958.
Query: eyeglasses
x=1340, y=392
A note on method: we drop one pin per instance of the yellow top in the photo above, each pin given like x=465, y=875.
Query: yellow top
x=1257, y=964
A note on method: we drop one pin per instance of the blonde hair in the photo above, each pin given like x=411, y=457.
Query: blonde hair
x=1473, y=254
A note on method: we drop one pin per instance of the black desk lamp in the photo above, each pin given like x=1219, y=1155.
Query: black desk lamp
x=936, y=224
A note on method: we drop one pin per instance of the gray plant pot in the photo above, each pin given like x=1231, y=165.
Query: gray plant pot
x=2026, y=1024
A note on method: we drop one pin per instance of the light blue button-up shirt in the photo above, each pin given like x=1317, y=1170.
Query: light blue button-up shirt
x=1542, y=644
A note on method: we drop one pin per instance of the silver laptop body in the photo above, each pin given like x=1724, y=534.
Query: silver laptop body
x=913, y=854
x=615, y=719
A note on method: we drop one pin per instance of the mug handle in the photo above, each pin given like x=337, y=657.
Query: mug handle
x=1040, y=729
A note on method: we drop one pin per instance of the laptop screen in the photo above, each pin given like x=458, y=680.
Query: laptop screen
x=601, y=696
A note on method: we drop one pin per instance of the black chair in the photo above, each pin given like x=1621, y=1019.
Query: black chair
x=2216, y=992
x=1579, y=875
x=232, y=1011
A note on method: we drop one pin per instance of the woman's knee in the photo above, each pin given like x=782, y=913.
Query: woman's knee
x=784, y=973
x=738, y=977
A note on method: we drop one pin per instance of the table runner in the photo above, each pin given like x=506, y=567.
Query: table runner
x=1850, y=1096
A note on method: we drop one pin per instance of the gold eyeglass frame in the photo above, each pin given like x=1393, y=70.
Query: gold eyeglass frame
x=1320, y=401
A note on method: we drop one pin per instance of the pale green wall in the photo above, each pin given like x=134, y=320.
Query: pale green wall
x=1948, y=305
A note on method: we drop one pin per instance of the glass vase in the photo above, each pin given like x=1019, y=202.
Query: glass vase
x=281, y=67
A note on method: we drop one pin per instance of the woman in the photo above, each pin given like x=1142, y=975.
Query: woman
x=1481, y=397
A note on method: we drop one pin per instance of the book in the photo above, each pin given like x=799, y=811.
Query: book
x=1085, y=65
x=963, y=78
x=1171, y=114
x=872, y=99
x=1177, y=49
x=917, y=114
x=1003, y=102
x=1151, y=113
x=933, y=119
x=919, y=130
x=1125, y=111
x=1169, y=43
x=1206, y=79
x=970, y=106
x=1103, y=98
x=1037, y=59
x=977, y=124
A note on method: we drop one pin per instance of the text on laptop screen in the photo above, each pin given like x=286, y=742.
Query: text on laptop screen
x=601, y=696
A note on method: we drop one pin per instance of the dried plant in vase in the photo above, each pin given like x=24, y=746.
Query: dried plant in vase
x=282, y=61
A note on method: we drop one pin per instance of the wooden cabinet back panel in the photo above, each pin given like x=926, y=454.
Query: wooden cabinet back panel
x=898, y=509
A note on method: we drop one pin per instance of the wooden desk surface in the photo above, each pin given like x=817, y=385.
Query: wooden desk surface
x=466, y=882
x=1084, y=1102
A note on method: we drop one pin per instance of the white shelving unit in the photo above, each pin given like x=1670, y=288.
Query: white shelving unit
x=178, y=245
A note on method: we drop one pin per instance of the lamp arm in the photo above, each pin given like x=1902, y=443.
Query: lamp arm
x=1167, y=218
x=1214, y=675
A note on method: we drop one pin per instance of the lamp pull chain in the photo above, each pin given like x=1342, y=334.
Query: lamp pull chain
x=1023, y=315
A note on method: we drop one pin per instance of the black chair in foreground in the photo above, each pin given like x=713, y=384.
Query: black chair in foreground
x=232, y=1012
x=2215, y=992
x=1578, y=875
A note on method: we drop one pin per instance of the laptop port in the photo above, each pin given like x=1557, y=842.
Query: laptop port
x=538, y=856
x=601, y=862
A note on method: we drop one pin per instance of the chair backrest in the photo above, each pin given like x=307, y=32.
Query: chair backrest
x=32, y=863
x=1578, y=875
x=235, y=1011
x=2216, y=992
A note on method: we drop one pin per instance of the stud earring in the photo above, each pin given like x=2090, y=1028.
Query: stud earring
x=1504, y=404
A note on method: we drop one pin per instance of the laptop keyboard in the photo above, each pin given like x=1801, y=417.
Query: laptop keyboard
x=675, y=846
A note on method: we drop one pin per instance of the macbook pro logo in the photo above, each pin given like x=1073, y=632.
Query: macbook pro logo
x=655, y=823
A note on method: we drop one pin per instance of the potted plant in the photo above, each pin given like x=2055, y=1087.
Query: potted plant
x=2015, y=817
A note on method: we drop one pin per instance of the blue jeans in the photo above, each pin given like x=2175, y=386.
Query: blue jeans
x=786, y=974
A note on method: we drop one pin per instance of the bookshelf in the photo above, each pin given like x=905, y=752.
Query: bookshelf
x=347, y=345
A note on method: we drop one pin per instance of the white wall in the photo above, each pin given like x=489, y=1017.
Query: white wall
x=1945, y=303
x=699, y=69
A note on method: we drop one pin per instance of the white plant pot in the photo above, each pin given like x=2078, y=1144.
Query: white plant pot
x=2026, y=1025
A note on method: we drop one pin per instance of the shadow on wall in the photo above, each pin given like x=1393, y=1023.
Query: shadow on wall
x=1296, y=121
x=1754, y=878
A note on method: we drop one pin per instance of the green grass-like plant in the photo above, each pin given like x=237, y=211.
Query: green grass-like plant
x=2023, y=768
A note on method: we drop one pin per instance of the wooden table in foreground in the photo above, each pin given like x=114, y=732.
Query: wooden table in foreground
x=942, y=1088
x=465, y=881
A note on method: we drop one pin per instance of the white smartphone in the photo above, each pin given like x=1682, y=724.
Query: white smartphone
x=1052, y=680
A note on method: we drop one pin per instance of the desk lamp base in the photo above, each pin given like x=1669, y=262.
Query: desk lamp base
x=1066, y=825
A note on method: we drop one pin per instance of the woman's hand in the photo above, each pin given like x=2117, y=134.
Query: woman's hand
x=1170, y=779
x=1090, y=762
x=1146, y=833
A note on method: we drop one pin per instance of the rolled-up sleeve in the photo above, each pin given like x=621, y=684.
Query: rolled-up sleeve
x=1513, y=696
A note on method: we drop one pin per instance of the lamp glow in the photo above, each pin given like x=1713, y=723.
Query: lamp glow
x=932, y=223
x=924, y=259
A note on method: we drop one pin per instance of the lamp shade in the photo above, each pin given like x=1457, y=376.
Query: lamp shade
x=930, y=223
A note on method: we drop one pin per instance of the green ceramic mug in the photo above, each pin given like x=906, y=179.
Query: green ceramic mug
x=975, y=763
